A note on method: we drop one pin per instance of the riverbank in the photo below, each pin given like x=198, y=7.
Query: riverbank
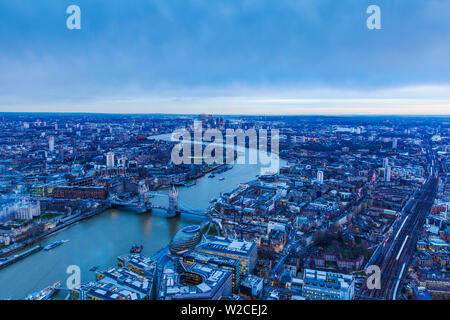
x=5, y=252
x=9, y=261
x=94, y=242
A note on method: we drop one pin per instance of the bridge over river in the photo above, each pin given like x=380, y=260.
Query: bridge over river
x=169, y=204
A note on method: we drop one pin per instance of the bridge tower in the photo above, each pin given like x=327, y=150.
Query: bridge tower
x=173, y=202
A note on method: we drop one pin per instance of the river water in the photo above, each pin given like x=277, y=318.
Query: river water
x=99, y=240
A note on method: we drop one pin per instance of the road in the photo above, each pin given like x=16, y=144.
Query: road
x=397, y=250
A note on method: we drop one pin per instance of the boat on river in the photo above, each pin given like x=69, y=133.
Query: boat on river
x=45, y=293
x=136, y=249
x=54, y=244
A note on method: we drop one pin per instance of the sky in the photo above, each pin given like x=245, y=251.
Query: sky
x=225, y=57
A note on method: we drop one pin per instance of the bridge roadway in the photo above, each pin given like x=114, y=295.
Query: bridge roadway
x=182, y=206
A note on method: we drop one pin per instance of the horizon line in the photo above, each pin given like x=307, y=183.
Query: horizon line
x=232, y=114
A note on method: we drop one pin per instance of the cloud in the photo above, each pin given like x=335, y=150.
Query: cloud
x=262, y=49
x=432, y=100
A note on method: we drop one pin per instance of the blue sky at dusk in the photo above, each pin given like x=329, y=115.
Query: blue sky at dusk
x=226, y=57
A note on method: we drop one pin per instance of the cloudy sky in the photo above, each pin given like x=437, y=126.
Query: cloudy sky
x=226, y=57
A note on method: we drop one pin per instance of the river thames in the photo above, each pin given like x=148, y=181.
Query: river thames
x=99, y=240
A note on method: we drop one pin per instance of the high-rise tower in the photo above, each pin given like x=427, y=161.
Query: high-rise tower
x=110, y=159
x=51, y=143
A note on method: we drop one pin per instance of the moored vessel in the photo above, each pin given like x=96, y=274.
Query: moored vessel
x=45, y=293
x=54, y=245
x=136, y=249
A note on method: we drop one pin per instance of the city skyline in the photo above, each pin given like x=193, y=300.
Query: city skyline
x=99, y=207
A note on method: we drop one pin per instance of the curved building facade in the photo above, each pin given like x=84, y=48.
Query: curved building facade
x=185, y=239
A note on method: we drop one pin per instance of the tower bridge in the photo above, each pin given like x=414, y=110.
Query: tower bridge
x=142, y=203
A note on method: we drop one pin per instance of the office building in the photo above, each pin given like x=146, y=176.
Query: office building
x=110, y=159
x=194, y=281
x=185, y=239
x=323, y=285
x=122, y=277
x=320, y=177
x=387, y=174
x=216, y=261
x=394, y=143
x=244, y=251
x=252, y=286
x=51, y=144
x=138, y=264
